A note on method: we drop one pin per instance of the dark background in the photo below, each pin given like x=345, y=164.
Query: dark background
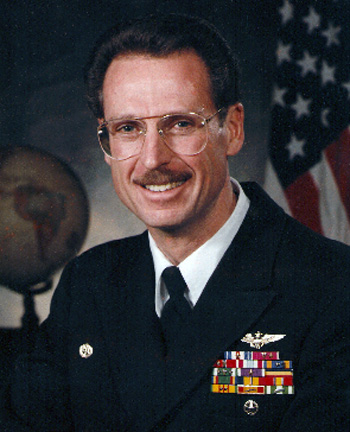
x=44, y=47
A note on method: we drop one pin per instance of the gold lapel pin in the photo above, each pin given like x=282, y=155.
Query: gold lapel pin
x=85, y=350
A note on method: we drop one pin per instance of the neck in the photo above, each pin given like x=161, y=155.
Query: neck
x=178, y=243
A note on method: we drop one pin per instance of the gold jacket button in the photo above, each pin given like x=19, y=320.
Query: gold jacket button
x=251, y=407
x=85, y=350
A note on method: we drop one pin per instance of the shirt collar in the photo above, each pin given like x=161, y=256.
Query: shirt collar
x=198, y=267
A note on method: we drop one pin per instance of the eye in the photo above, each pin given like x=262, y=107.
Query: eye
x=123, y=127
x=183, y=123
x=127, y=129
x=180, y=124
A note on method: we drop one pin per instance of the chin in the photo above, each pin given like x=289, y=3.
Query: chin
x=166, y=224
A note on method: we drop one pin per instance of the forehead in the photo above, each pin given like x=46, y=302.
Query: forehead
x=147, y=85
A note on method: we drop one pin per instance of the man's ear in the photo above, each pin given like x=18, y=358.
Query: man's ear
x=107, y=159
x=235, y=128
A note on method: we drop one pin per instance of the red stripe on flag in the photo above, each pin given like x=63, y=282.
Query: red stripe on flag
x=338, y=157
x=303, y=199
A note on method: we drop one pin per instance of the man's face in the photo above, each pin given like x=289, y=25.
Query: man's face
x=194, y=188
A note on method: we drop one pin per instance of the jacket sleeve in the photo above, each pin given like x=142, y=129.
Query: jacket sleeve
x=322, y=392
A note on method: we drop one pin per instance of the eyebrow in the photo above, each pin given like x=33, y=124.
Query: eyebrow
x=134, y=117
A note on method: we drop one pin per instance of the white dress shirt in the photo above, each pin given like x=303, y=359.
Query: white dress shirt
x=198, y=267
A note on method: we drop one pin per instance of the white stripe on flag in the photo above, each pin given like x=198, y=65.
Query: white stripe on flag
x=273, y=187
x=332, y=212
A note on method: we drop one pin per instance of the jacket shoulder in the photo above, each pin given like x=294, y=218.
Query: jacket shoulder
x=116, y=251
x=300, y=252
x=102, y=265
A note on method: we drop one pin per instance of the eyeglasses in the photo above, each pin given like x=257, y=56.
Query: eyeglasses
x=185, y=134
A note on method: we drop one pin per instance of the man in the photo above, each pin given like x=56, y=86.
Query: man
x=253, y=333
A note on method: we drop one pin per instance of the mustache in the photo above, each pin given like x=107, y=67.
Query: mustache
x=161, y=176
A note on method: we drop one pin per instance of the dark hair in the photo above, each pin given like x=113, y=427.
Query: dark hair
x=160, y=37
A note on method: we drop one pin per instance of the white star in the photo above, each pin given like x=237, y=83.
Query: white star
x=327, y=73
x=295, y=147
x=286, y=12
x=347, y=87
x=283, y=52
x=332, y=35
x=324, y=115
x=307, y=63
x=278, y=95
x=301, y=106
x=312, y=20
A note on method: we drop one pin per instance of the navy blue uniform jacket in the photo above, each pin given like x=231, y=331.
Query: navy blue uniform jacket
x=277, y=277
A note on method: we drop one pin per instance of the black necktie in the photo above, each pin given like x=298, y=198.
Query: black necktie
x=176, y=309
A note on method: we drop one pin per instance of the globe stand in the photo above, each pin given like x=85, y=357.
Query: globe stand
x=30, y=320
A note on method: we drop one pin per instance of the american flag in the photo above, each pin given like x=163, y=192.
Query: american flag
x=308, y=172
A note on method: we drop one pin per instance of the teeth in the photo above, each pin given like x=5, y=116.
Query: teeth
x=165, y=187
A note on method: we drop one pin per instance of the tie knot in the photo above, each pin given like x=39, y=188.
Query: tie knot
x=174, y=281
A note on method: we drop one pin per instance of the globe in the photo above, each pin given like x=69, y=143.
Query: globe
x=44, y=216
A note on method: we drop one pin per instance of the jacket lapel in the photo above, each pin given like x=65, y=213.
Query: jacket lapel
x=132, y=330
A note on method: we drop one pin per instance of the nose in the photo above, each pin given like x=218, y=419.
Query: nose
x=154, y=152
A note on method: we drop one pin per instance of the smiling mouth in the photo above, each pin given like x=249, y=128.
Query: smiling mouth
x=162, y=180
x=164, y=187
